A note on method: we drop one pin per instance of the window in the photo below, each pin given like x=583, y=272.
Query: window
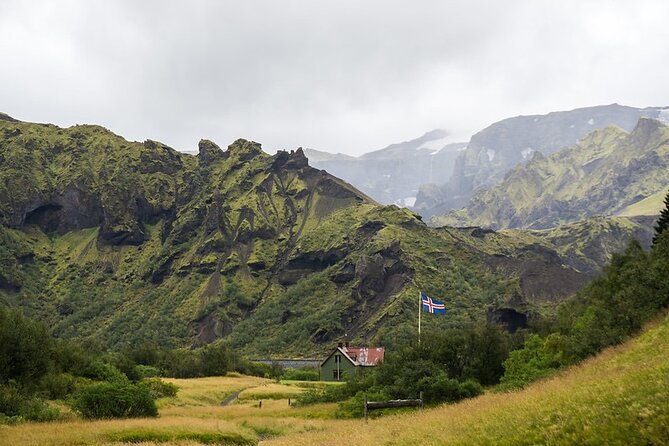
x=337, y=372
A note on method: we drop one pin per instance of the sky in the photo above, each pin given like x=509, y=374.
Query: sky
x=337, y=75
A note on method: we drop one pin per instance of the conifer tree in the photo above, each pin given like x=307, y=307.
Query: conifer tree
x=663, y=221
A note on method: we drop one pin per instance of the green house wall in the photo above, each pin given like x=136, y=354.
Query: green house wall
x=330, y=365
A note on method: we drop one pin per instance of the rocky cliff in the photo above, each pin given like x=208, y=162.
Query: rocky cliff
x=497, y=149
x=126, y=242
x=605, y=174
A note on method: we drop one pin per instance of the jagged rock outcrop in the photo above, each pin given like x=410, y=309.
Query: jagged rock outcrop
x=499, y=148
x=209, y=152
x=128, y=242
x=605, y=173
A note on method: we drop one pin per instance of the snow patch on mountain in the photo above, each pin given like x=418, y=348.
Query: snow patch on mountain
x=435, y=145
x=527, y=152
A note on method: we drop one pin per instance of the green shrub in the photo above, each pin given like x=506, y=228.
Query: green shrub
x=114, y=400
x=182, y=363
x=354, y=406
x=159, y=388
x=214, y=359
x=528, y=364
x=440, y=388
x=147, y=371
x=252, y=368
x=103, y=371
x=16, y=406
x=35, y=409
x=56, y=386
x=11, y=399
x=25, y=347
x=306, y=374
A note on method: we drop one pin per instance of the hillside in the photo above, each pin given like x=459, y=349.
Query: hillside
x=497, y=149
x=606, y=173
x=618, y=397
x=127, y=242
x=392, y=175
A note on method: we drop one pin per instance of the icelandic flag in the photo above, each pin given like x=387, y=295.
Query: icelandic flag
x=432, y=306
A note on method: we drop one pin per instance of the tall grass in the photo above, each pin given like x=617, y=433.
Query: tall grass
x=618, y=397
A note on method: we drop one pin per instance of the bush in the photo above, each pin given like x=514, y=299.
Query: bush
x=16, y=406
x=159, y=388
x=35, y=409
x=147, y=371
x=354, y=406
x=252, y=368
x=214, y=359
x=534, y=361
x=114, y=400
x=103, y=371
x=307, y=374
x=183, y=363
x=25, y=347
x=56, y=386
x=441, y=388
x=330, y=394
x=11, y=400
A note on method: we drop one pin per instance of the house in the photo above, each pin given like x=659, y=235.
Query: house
x=345, y=361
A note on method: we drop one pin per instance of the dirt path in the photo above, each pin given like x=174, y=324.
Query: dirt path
x=230, y=398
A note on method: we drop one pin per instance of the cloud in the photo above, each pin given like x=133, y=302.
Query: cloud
x=343, y=76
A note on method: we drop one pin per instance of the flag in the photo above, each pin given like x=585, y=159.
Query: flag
x=432, y=306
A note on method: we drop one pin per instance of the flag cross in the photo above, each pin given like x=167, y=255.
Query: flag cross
x=430, y=305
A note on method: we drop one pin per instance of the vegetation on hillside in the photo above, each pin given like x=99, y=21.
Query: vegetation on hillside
x=124, y=243
x=617, y=397
x=453, y=365
x=613, y=307
x=96, y=383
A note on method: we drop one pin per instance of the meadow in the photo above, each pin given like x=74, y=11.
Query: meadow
x=618, y=397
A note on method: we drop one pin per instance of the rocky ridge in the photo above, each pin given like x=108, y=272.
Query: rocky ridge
x=126, y=242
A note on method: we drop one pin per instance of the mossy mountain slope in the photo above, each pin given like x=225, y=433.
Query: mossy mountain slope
x=605, y=173
x=497, y=149
x=126, y=242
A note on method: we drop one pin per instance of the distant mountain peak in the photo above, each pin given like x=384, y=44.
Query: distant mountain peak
x=6, y=117
x=434, y=134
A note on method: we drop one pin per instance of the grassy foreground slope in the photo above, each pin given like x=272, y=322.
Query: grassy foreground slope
x=194, y=417
x=619, y=397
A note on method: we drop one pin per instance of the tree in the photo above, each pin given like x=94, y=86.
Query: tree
x=663, y=221
x=25, y=348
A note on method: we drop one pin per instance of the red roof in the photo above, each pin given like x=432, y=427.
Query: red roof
x=364, y=356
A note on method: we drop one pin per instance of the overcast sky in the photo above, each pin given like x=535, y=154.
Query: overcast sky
x=341, y=76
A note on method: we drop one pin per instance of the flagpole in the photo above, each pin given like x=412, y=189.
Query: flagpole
x=419, y=312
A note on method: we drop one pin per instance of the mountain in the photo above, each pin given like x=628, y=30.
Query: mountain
x=604, y=174
x=392, y=175
x=495, y=150
x=125, y=242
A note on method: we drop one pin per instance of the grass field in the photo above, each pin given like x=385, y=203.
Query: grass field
x=194, y=416
x=619, y=397
x=648, y=206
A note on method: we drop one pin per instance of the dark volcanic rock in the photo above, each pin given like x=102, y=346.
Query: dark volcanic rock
x=370, y=272
x=209, y=152
x=508, y=317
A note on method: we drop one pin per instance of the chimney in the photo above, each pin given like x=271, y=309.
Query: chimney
x=346, y=344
